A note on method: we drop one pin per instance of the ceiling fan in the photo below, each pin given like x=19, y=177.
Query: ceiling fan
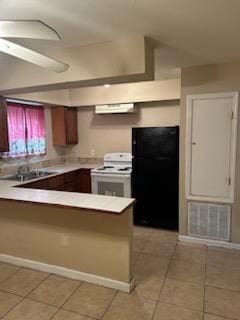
x=29, y=29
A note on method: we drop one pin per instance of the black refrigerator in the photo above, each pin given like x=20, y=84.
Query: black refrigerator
x=155, y=176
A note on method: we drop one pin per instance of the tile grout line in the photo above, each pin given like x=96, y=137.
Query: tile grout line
x=85, y=315
x=189, y=282
x=220, y=288
x=41, y=282
x=76, y=313
x=19, y=268
x=61, y=307
x=141, y=250
x=193, y=283
x=14, y=294
x=155, y=309
x=222, y=317
x=80, y=284
x=181, y=306
x=169, y=303
x=23, y=297
x=110, y=304
x=46, y=303
x=147, y=239
x=54, y=313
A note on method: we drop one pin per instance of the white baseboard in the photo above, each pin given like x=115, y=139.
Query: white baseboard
x=69, y=273
x=210, y=242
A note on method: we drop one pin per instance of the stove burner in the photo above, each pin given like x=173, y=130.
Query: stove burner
x=105, y=167
x=125, y=169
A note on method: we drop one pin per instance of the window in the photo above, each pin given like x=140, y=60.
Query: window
x=26, y=130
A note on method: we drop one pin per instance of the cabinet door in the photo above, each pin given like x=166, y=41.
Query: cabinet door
x=211, y=146
x=40, y=184
x=84, y=181
x=71, y=125
x=58, y=126
x=71, y=176
x=64, y=126
x=4, y=145
x=70, y=187
x=56, y=182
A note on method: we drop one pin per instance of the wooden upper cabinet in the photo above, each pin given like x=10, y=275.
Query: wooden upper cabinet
x=4, y=143
x=64, y=126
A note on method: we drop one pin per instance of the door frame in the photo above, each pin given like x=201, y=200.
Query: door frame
x=190, y=99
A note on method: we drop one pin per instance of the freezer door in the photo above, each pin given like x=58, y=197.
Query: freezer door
x=155, y=142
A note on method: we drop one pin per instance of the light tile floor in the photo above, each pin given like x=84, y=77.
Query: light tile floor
x=175, y=281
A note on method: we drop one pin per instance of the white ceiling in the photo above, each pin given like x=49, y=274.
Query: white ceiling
x=185, y=32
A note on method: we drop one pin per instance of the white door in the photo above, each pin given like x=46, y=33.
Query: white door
x=212, y=129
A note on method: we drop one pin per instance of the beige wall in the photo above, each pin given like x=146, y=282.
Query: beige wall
x=96, y=243
x=119, y=93
x=112, y=133
x=126, y=93
x=129, y=59
x=51, y=97
x=207, y=79
x=53, y=152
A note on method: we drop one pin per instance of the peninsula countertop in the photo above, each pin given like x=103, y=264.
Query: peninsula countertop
x=108, y=204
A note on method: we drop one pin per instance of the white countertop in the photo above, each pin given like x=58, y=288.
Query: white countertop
x=115, y=205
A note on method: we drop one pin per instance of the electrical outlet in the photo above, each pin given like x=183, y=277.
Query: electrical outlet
x=92, y=152
x=64, y=240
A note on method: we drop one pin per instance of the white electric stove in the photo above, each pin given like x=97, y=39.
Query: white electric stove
x=114, y=177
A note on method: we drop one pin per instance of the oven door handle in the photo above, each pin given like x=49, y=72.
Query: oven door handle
x=93, y=174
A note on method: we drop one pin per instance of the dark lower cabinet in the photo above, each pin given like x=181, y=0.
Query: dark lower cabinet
x=71, y=176
x=70, y=187
x=74, y=181
x=55, y=182
x=40, y=184
x=84, y=181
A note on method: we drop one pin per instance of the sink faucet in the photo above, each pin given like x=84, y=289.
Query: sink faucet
x=21, y=170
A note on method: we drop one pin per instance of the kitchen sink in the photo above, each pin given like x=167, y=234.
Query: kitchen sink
x=31, y=175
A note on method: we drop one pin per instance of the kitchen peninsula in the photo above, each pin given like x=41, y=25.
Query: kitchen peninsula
x=78, y=235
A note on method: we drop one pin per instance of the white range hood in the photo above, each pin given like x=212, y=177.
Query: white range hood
x=115, y=108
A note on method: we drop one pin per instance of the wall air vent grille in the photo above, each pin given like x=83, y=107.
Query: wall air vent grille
x=210, y=221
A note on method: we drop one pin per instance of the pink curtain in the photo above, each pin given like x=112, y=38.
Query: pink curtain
x=35, y=133
x=16, y=130
x=26, y=130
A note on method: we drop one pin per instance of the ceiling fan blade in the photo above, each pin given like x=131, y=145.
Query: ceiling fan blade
x=34, y=57
x=28, y=29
